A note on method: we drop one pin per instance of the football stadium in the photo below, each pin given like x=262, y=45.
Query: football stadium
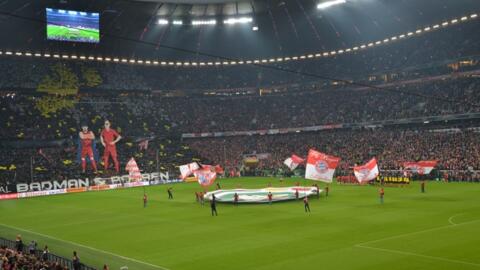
x=239, y=134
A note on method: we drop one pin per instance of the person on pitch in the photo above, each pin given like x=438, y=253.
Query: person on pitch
x=86, y=139
x=381, y=193
x=422, y=186
x=145, y=200
x=270, y=196
x=109, y=138
x=170, y=193
x=213, y=205
x=235, y=199
x=306, y=204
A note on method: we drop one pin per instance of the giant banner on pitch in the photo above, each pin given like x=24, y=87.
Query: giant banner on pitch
x=320, y=166
x=367, y=172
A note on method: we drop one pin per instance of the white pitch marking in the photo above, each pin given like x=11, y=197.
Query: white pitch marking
x=450, y=220
x=420, y=255
x=87, y=247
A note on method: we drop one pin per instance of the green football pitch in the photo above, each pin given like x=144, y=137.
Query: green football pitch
x=74, y=34
x=349, y=229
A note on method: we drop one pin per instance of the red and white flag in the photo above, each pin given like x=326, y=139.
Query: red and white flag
x=420, y=167
x=366, y=172
x=320, y=166
x=293, y=162
x=205, y=177
x=133, y=170
x=143, y=145
x=187, y=169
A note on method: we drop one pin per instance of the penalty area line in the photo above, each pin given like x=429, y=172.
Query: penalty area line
x=86, y=247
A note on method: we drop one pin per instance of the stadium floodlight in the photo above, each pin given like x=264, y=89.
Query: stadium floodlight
x=402, y=36
x=194, y=63
x=225, y=63
x=340, y=51
x=210, y=63
x=279, y=59
x=28, y=54
x=241, y=20
x=418, y=31
x=108, y=59
x=328, y=4
x=473, y=16
x=202, y=63
x=62, y=11
x=139, y=61
x=177, y=22
x=56, y=56
x=248, y=62
x=464, y=18
x=131, y=61
x=355, y=48
x=444, y=23
x=348, y=50
x=82, y=57
x=363, y=46
x=38, y=54
x=240, y=62
x=73, y=56
x=454, y=21
x=83, y=13
x=91, y=58
x=370, y=44
x=162, y=21
x=409, y=34
x=204, y=22
x=302, y=57
x=436, y=26
x=124, y=60
x=386, y=40
x=218, y=63
x=427, y=29
x=255, y=28
x=310, y=56
x=155, y=62
x=8, y=53
x=72, y=12
x=65, y=56
x=256, y=61
x=233, y=63
x=393, y=38
x=295, y=58
x=148, y=62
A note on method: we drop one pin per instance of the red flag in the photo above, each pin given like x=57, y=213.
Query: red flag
x=205, y=177
x=293, y=161
x=420, y=167
x=133, y=170
x=320, y=166
x=366, y=172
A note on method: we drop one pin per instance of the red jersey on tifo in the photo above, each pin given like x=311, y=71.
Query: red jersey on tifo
x=86, y=143
x=109, y=136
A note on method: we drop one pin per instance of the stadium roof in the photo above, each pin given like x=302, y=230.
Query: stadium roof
x=131, y=28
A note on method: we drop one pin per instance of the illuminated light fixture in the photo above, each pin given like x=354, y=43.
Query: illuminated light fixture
x=255, y=28
x=402, y=36
x=194, y=63
x=202, y=22
x=279, y=59
x=146, y=62
x=171, y=63
x=333, y=52
x=28, y=54
x=186, y=64
x=202, y=63
x=256, y=61
x=162, y=21
x=287, y=58
x=340, y=51
x=325, y=54
x=73, y=57
x=131, y=61
x=427, y=29
x=177, y=22
x=318, y=55
x=302, y=57
x=370, y=44
x=99, y=58
x=418, y=31
x=56, y=56
x=444, y=23
x=233, y=63
x=436, y=26
x=348, y=50
x=116, y=59
x=124, y=60
x=271, y=60
x=386, y=40
x=225, y=63
x=71, y=12
x=83, y=13
x=264, y=60
x=393, y=38
x=91, y=58
x=82, y=57
x=248, y=62
x=38, y=54
x=241, y=20
x=155, y=62
x=45, y=55
x=363, y=46
x=310, y=56
x=18, y=53
x=163, y=63
x=409, y=33
x=61, y=11
x=139, y=61
x=210, y=63
x=64, y=56
x=473, y=16
x=108, y=59
x=1, y=52
x=295, y=58
x=454, y=21
x=8, y=53
x=464, y=18
x=179, y=63
x=378, y=42
x=241, y=62
x=217, y=63
x=355, y=48
x=328, y=4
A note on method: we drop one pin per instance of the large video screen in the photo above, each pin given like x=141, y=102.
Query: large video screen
x=70, y=25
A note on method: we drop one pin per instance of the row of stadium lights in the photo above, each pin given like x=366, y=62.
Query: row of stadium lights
x=230, y=21
x=256, y=61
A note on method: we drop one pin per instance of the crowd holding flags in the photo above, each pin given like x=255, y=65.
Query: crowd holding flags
x=320, y=166
x=367, y=172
